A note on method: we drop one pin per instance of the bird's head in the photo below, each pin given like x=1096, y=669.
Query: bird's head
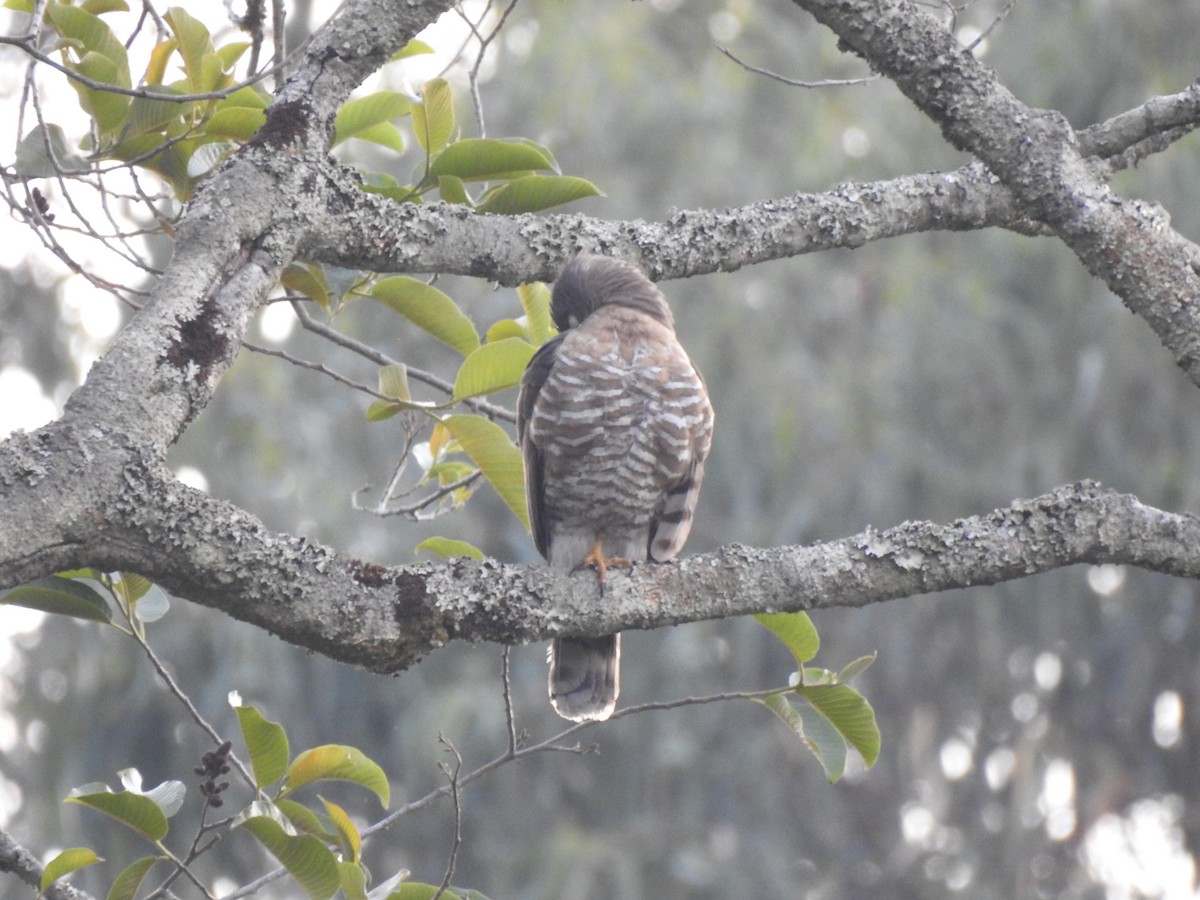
x=588, y=282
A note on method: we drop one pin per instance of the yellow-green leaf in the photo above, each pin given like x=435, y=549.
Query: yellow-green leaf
x=532, y=193
x=99, y=7
x=492, y=367
x=91, y=35
x=305, y=857
x=110, y=111
x=127, y=883
x=452, y=190
x=267, y=744
x=481, y=159
x=348, y=837
x=506, y=328
x=70, y=860
x=393, y=382
x=136, y=811
x=236, y=122
x=61, y=596
x=848, y=712
x=195, y=44
x=412, y=890
x=353, y=879
x=448, y=548
x=362, y=114
x=796, y=631
x=306, y=279
x=412, y=48
x=491, y=449
x=433, y=118
x=429, y=309
x=535, y=300
x=337, y=762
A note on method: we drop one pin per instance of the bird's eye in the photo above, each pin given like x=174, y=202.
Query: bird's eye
x=573, y=320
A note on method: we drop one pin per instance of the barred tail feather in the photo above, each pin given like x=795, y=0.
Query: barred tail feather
x=585, y=677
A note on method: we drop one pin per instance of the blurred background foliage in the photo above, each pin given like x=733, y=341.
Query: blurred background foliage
x=1039, y=737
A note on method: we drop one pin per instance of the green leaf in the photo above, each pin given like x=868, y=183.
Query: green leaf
x=131, y=587
x=815, y=732
x=491, y=449
x=238, y=122
x=26, y=6
x=429, y=309
x=347, y=835
x=147, y=114
x=127, y=883
x=506, y=328
x=267, y=744
x=230, y=53
x=854, y=668
x=483, y=159
x=110, y=111
x=796, y=631
x=305, y=857
x=492, y=367
x=353, y=879
x=91, y=34
x=337, y=762
x=70, y=860
x=98, y=7
x=393, y=382
x=532, y=193
x=194, y=43
x=61, y=596
x=433, y=119
x=850, y=713
x=136, y=811
x=451, y=190
x=412, y=48
x=34, y=160
x=309, y=280
x=535, y=300
x=448, y=548
x=365, y=114
x=304, y=820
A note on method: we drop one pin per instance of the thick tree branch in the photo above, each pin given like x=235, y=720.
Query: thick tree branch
x=1129, y=244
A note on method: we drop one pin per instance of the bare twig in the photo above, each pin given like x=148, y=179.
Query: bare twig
x=792, y=82
x=451, y=773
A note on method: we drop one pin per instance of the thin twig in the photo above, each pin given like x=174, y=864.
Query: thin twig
x=452, y=775
x=827, y=82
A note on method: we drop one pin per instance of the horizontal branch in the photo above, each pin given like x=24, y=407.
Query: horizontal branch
x=372, y=232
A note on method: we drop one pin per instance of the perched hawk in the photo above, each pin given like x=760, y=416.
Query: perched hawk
x=614, y=424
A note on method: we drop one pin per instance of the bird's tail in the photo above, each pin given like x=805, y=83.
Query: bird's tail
x=585, y=677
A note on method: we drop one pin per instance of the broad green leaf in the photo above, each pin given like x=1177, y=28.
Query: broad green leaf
x=337, y=762
x=127, y=883
x=305, y=857
x=796, y=631
x=393, y=382
x=267, y=744
x=385, y=134
x=363, y=114
x=353, y=879
x=230, y=53
x=855, y=668
x=532, y=193
x=309, y=280
x=492, y=367
x=850, y=713
x=132, y=587
x=433, y=118
x=491, y=449
x=151, y=115
x=110, y=111
x=818, y=735
x=429, y=309
x=90, y=34
x=348, y=837
x=448, y=548
x=26, y=6
x=194, y=44
x=303, y=819
x=506, y=328
x=482, y=159
x=136, y=811
x=452, y=190
x=159, y=57
x=412, y=48
x=70, y=860
x=61, y=596
x=237, y=122
x=43, y=153
x=535, y=300
x=247, y=97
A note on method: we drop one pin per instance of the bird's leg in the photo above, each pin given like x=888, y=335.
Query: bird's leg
x=596, y=560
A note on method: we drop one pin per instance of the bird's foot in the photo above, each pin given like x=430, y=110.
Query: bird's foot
x=597, y=560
